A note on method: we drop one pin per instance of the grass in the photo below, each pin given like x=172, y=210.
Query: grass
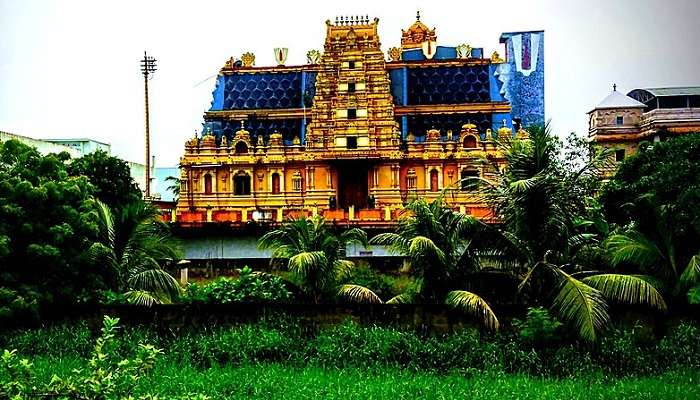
x=275, y=381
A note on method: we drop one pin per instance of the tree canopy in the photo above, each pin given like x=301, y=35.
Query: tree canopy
x=111, y=177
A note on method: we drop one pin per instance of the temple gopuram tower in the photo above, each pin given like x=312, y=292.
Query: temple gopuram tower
x=357, y=132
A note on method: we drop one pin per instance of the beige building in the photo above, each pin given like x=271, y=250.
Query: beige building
x=622, y=122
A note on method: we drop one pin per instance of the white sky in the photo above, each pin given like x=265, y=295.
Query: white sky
x=71, y=68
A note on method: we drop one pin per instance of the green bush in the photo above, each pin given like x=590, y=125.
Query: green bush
x=250, y=287
x=539, y=328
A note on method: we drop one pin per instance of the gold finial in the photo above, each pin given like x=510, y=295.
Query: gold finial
x=614, y=87
x=417, y=15
x=243, y=124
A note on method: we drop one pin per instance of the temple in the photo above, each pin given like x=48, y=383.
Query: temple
x=354, y=134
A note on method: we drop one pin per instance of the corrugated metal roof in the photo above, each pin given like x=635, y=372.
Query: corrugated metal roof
x=674, y=91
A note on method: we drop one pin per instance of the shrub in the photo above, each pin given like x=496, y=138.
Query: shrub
x=250, y=287
x=680, y=348
x=539, y=328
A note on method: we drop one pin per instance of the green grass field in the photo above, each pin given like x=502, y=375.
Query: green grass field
x=274, y=381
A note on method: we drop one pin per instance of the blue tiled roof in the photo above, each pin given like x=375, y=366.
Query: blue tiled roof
x=448, y=84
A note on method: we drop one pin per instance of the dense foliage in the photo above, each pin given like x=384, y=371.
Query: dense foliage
x=60, y=245
x=110, y=176
x=375, y=348
x=47, y=222
x=249, y=287
x=655, y=199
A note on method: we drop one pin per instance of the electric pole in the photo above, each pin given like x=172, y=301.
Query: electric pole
x=148, y=67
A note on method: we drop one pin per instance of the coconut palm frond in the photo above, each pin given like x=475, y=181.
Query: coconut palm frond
x=343, y=269
x=359, y=294
x=473, y=304
x=307, y=261
x=143, y=298
x=627, y=289
x=633, y=247
x=691, y=274
x=153, y=279
x=582, y=306
x=421, y=246
x=403, y=298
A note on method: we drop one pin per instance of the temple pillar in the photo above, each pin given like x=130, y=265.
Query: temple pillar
x=209, y=214
x=280, y=215
x=387, y=213
x=351, y=213
x=173, y=215
x=244, y=215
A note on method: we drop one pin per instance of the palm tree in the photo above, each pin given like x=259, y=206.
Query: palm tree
x=135, y=245
x=174, y=185
x=653, y=247
x=540, y=202
x=313, y=253
x=436, y=241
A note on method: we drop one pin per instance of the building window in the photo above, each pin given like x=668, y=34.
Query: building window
x=351, y=142
x=241, y=184
x=275, y=183
x=351, y=87
x=351, y=65
x=297, y=181
x=469, y=142
x=469, y=181
x=207, y=184
x=411, y=179
x=619, y=155
x=433, y=180
x=241, y=148
x=352, y=113
x=619, y=120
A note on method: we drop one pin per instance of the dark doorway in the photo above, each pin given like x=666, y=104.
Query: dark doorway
x=434, y=180
x=352, y=184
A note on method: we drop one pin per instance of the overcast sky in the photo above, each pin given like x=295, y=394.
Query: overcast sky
x=71, y=68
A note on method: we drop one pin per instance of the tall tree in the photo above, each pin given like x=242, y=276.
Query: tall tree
x=437, y=242
x=313, y=253
x=111, y=177
x=653, y=198
x=541, y=203
x=47, y=221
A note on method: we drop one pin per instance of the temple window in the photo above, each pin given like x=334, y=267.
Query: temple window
x=351, y=64
x=241, y=184
x=411, y=179
x=469, y=142
x=275, y=183
x=241, y=148
x=297, y=181
x=469, y=183
x=619, y=155
x=351, y=87
x=619, y=120
x=434, y=180
x=351, y=142
x=352, y=113
x=207, y=184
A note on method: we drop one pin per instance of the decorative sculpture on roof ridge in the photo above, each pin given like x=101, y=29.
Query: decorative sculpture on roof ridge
x=313, y=56
x=248, y=59
x=463, y=50
x=496, y=58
